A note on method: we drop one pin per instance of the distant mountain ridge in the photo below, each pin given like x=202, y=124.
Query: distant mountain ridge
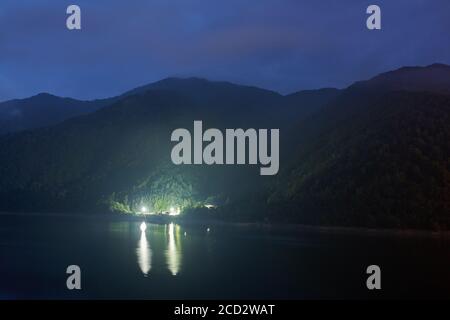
x=43, y=110
x=46, y=109
x=433, y=78
x=375, y=154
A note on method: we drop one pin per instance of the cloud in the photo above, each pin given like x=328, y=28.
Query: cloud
x=285, y=45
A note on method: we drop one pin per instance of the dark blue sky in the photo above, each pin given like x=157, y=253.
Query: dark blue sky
x=284, y=45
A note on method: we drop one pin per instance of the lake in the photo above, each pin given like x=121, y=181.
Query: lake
x=213, y=261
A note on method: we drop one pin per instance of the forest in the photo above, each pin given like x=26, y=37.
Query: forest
x=376, y=154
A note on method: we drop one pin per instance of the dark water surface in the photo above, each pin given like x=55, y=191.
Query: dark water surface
x=173, y=261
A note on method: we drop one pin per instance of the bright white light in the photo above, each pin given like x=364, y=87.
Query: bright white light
x=144, y=209
x=143, y=227
x=174, y=211
x=208, y=230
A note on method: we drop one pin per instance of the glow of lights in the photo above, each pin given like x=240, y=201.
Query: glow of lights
x=174, y=211
x=208, y=230
x=144, y=254
x=143, y=226
x=144, y=209
x=173, y=252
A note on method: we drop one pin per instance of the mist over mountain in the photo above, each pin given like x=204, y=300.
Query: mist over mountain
x=374, y=154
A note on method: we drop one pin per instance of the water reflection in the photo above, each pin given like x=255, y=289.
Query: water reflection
x=173, y=252
x=144, y=254
x=165, y=245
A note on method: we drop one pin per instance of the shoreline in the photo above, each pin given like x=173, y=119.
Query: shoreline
x=292, y=227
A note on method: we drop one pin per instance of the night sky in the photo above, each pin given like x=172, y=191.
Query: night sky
x=283, y=45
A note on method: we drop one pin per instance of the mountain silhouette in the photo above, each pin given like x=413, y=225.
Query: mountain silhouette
x=42, y=110
x=374, y=154
x=377, y=155
x=433, y=78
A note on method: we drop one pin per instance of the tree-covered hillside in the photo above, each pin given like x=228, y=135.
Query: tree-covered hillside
x=388, y=164
x=375, y=154
x=43, y=110
x=119, y=156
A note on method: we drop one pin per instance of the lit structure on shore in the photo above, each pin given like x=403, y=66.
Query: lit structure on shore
x=173, y=211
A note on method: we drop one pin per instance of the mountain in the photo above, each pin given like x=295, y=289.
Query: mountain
x=304, y=103
x=375, y=154
x=203, y=90
x=241, y=98
x=433, y=78
x=42, y=110
x=122, y=151
x=120, y=154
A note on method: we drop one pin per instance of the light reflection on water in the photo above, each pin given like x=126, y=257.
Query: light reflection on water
x=173, y=251
x=144, y=254
x=229, y=262
x=171, y=247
